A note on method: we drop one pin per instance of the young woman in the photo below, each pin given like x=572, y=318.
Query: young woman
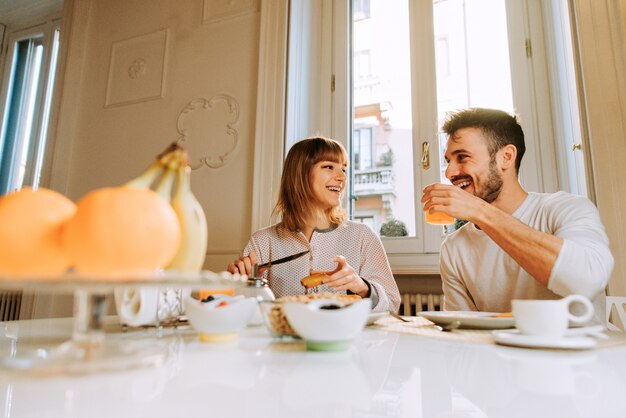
x=311, y=218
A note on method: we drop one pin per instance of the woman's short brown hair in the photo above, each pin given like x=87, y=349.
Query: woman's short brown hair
x=296, y=195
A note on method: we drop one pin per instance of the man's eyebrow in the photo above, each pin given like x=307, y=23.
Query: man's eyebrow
x=455, y=152
x=460, y=151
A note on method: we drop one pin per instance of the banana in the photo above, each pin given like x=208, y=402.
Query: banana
x=166, y=159
x=170, y=176
x=148, y=177
x=192, y=251
x=165, y=185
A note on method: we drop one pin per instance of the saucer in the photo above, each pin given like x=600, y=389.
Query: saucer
x=514, y=338
x=470, y=319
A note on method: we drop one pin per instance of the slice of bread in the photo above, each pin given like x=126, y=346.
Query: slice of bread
x=313, y=280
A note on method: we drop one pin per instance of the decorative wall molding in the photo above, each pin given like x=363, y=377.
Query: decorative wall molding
x=194, y=125
x=137, y=69
x=217, y=10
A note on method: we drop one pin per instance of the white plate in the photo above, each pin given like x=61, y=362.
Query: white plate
x=514, y=338
x=375, y=316
x=469, y=319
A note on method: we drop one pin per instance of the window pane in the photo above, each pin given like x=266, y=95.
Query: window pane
x=382, y=126
x=20, y=107
x=473, y=66
x=28, y=108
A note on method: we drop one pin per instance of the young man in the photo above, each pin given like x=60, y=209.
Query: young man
x=516, y=245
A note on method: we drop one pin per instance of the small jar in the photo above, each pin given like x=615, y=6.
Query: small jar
x=256, y=287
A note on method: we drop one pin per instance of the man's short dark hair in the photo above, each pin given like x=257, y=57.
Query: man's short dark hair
x=499, y=128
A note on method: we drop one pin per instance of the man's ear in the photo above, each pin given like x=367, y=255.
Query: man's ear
x=508, y=153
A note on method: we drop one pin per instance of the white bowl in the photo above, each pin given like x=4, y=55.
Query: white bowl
x=327, y=330
x=220, y=323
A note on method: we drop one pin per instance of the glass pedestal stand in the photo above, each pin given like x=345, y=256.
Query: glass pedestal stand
x=89, y=350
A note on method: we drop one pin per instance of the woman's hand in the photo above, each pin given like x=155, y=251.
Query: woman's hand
x=243, y=265
x=344, y=277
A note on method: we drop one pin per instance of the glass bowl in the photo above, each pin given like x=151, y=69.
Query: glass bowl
x=275, y=319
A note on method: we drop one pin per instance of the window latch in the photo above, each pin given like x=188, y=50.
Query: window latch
x=425, y=155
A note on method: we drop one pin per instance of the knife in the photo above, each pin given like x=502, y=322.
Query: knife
x=265, y=266
x=284, y=259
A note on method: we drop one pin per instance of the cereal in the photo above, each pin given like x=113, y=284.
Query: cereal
x=275, y=316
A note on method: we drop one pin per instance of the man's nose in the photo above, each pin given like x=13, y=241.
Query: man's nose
x=451, y=170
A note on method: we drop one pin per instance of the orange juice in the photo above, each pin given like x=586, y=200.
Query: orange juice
x=438, y=218
x=204, y=293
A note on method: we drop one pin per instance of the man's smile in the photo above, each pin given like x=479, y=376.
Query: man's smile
x=463, y=183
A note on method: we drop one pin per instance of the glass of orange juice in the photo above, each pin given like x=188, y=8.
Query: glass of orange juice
x=438, y=218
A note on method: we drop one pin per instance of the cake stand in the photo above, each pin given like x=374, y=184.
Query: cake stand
x=89, y=350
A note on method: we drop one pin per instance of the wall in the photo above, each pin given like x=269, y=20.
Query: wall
x=140, y=74
x=109, y=133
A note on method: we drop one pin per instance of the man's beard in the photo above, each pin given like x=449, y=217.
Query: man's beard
x=493, y=186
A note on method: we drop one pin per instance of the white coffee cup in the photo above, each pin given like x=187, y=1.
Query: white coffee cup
x=550, y=318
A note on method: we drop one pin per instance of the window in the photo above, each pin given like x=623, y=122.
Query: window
x=429, y=58
x=362, y=149
x=424, y=58
x=367, y=220
x=471, y=68
x=26, y=99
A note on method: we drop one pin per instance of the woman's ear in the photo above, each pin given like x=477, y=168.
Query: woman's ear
x=508, y=153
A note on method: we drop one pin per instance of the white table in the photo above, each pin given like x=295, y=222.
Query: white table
x=384, y=374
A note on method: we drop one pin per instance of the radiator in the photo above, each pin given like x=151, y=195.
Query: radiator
x=412, y=303
x=10, y=304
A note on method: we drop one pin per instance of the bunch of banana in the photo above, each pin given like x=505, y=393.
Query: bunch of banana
x=170, y=177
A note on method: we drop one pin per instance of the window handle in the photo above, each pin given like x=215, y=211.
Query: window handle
x=425, y=155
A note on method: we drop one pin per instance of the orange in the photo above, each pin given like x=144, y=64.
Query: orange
x=122, y=230
x=31, y=224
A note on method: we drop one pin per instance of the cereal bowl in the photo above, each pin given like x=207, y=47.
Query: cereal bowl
x=274, y=315
x=327, y=324
x=216, y=323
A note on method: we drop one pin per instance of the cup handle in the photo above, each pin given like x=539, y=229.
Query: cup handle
x=586, y=315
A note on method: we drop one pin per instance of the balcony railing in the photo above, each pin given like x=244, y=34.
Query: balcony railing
x=373, y=181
